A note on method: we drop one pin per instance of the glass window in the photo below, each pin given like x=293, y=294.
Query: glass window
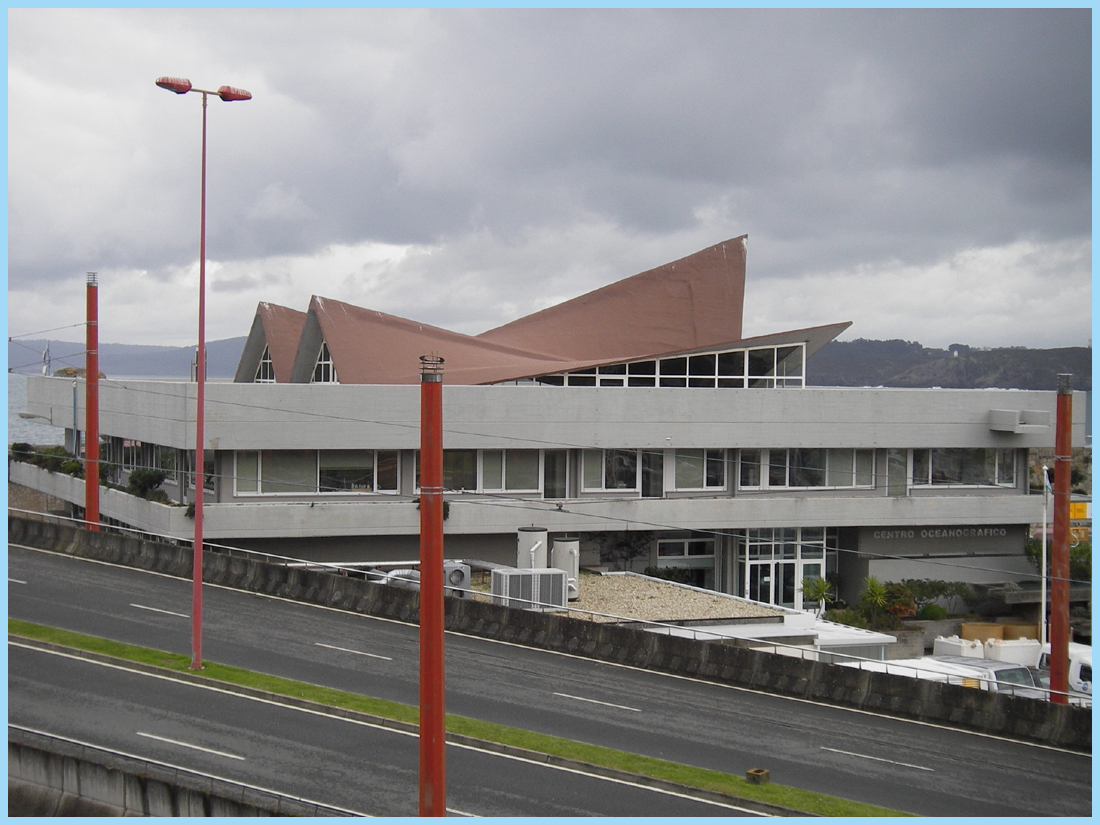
x=521, y=470
x=807, y=467
x=492, y=470
x=731, y=363
x=750, y=468
x=621, y=469
x=761, y=362
x=554, y=474
x=288, y=471
x=839, y=473
x=324, y=372
x=593, y=469
x=460, y=469
x=700, y=469
x=897, y=473
x=248, y=472
x=346, y=470
x=777, y=468
x=265, y=373
x=610, y=470
x=689, y=469
x=716, y=468
x=1006, y=467
x=865, y=468
x=700, y=547
x=385, y=471
x=958, y=465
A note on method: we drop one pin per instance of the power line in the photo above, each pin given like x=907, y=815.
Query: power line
x=44, y=331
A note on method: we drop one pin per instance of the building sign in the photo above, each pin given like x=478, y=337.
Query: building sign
x=1080, y=510
x=943, y=540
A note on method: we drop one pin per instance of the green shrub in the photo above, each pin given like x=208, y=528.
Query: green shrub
x=51, y=459
x=851, y=616
x=143, y=482
x=932, y=612
x=21, y=451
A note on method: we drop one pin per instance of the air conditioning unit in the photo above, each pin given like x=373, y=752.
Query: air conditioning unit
x=456, y=579
x=540, y=588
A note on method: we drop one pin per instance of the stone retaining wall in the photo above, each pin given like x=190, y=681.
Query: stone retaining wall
x=48, y=776
x=919, y=699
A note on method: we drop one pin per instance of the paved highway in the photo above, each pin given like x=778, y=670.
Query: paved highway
x=904, y=765
x=360, y=767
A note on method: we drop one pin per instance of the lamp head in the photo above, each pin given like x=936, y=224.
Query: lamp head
x=229, y=93
x=179, y=85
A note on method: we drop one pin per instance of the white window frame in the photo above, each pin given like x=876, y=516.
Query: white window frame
x=265, y=372
x=708, y=455
x=504, y=488
x=929, y=483
x=316, y=490
x=325, y=367
x=603, y=463
x=765, y=454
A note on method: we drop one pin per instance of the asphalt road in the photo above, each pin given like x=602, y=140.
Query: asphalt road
x=360, y=767
x=903, y=765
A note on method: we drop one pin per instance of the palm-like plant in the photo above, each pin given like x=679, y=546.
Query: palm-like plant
x=817, y=590
x=874, y=597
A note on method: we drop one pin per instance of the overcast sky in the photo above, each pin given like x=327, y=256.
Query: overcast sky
x=924, y=174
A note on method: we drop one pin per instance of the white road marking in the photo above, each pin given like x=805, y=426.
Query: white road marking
x=158, y=610
x=387, y=728
x=186, y=745
x=597, y=702
x=879, y=759
x=359, y=652
x=14, y=581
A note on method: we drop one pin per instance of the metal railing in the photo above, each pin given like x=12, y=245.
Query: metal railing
x=760, y=644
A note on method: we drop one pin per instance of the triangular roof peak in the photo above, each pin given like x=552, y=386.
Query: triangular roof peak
x=277, y=328
x=692, y=303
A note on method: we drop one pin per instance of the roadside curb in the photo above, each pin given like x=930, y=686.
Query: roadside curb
x=407, y=727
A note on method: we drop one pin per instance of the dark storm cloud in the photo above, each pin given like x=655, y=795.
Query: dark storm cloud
x=836, y=139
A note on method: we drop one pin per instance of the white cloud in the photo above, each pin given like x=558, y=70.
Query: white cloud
x=1029, y=291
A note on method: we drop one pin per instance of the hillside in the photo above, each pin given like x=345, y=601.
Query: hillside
x=128, y=360
x=859, y=363
x=863, y=363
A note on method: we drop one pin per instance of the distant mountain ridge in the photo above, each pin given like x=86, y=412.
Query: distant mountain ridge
x=130, y=360
x=896, y=363
x=859, y=363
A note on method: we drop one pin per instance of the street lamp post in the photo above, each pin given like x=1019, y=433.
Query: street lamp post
x=182, y=86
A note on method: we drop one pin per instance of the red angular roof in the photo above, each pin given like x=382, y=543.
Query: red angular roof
x=690, y=305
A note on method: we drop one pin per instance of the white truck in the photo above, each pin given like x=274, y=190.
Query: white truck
x=968, y=671
x=1026, y=652
x=1080, y=672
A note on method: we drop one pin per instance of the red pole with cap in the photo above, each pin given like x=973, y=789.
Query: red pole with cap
x=1059, y=559
x=91, y=408
x=433, y=787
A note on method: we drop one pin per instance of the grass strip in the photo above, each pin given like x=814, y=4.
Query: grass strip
x=794, y=798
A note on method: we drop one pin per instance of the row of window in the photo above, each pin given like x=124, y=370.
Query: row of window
x=545, y=471
x=736, y=368
x=739, y=368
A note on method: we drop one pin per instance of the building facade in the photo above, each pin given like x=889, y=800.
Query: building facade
x=636, y=418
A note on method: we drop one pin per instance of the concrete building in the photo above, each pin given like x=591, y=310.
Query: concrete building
x=635, y=417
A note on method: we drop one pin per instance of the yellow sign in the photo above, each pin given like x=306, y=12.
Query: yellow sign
x=1079, y=510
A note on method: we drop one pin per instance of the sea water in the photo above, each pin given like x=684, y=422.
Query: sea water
x=33, y=430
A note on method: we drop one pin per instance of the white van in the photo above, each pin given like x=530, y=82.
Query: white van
x=1001, y=677
x=1080, y=671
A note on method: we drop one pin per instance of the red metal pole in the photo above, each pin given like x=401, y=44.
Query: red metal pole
x=91, y=409
x=200, y=399
x=1059, y=561
x=433, y=786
